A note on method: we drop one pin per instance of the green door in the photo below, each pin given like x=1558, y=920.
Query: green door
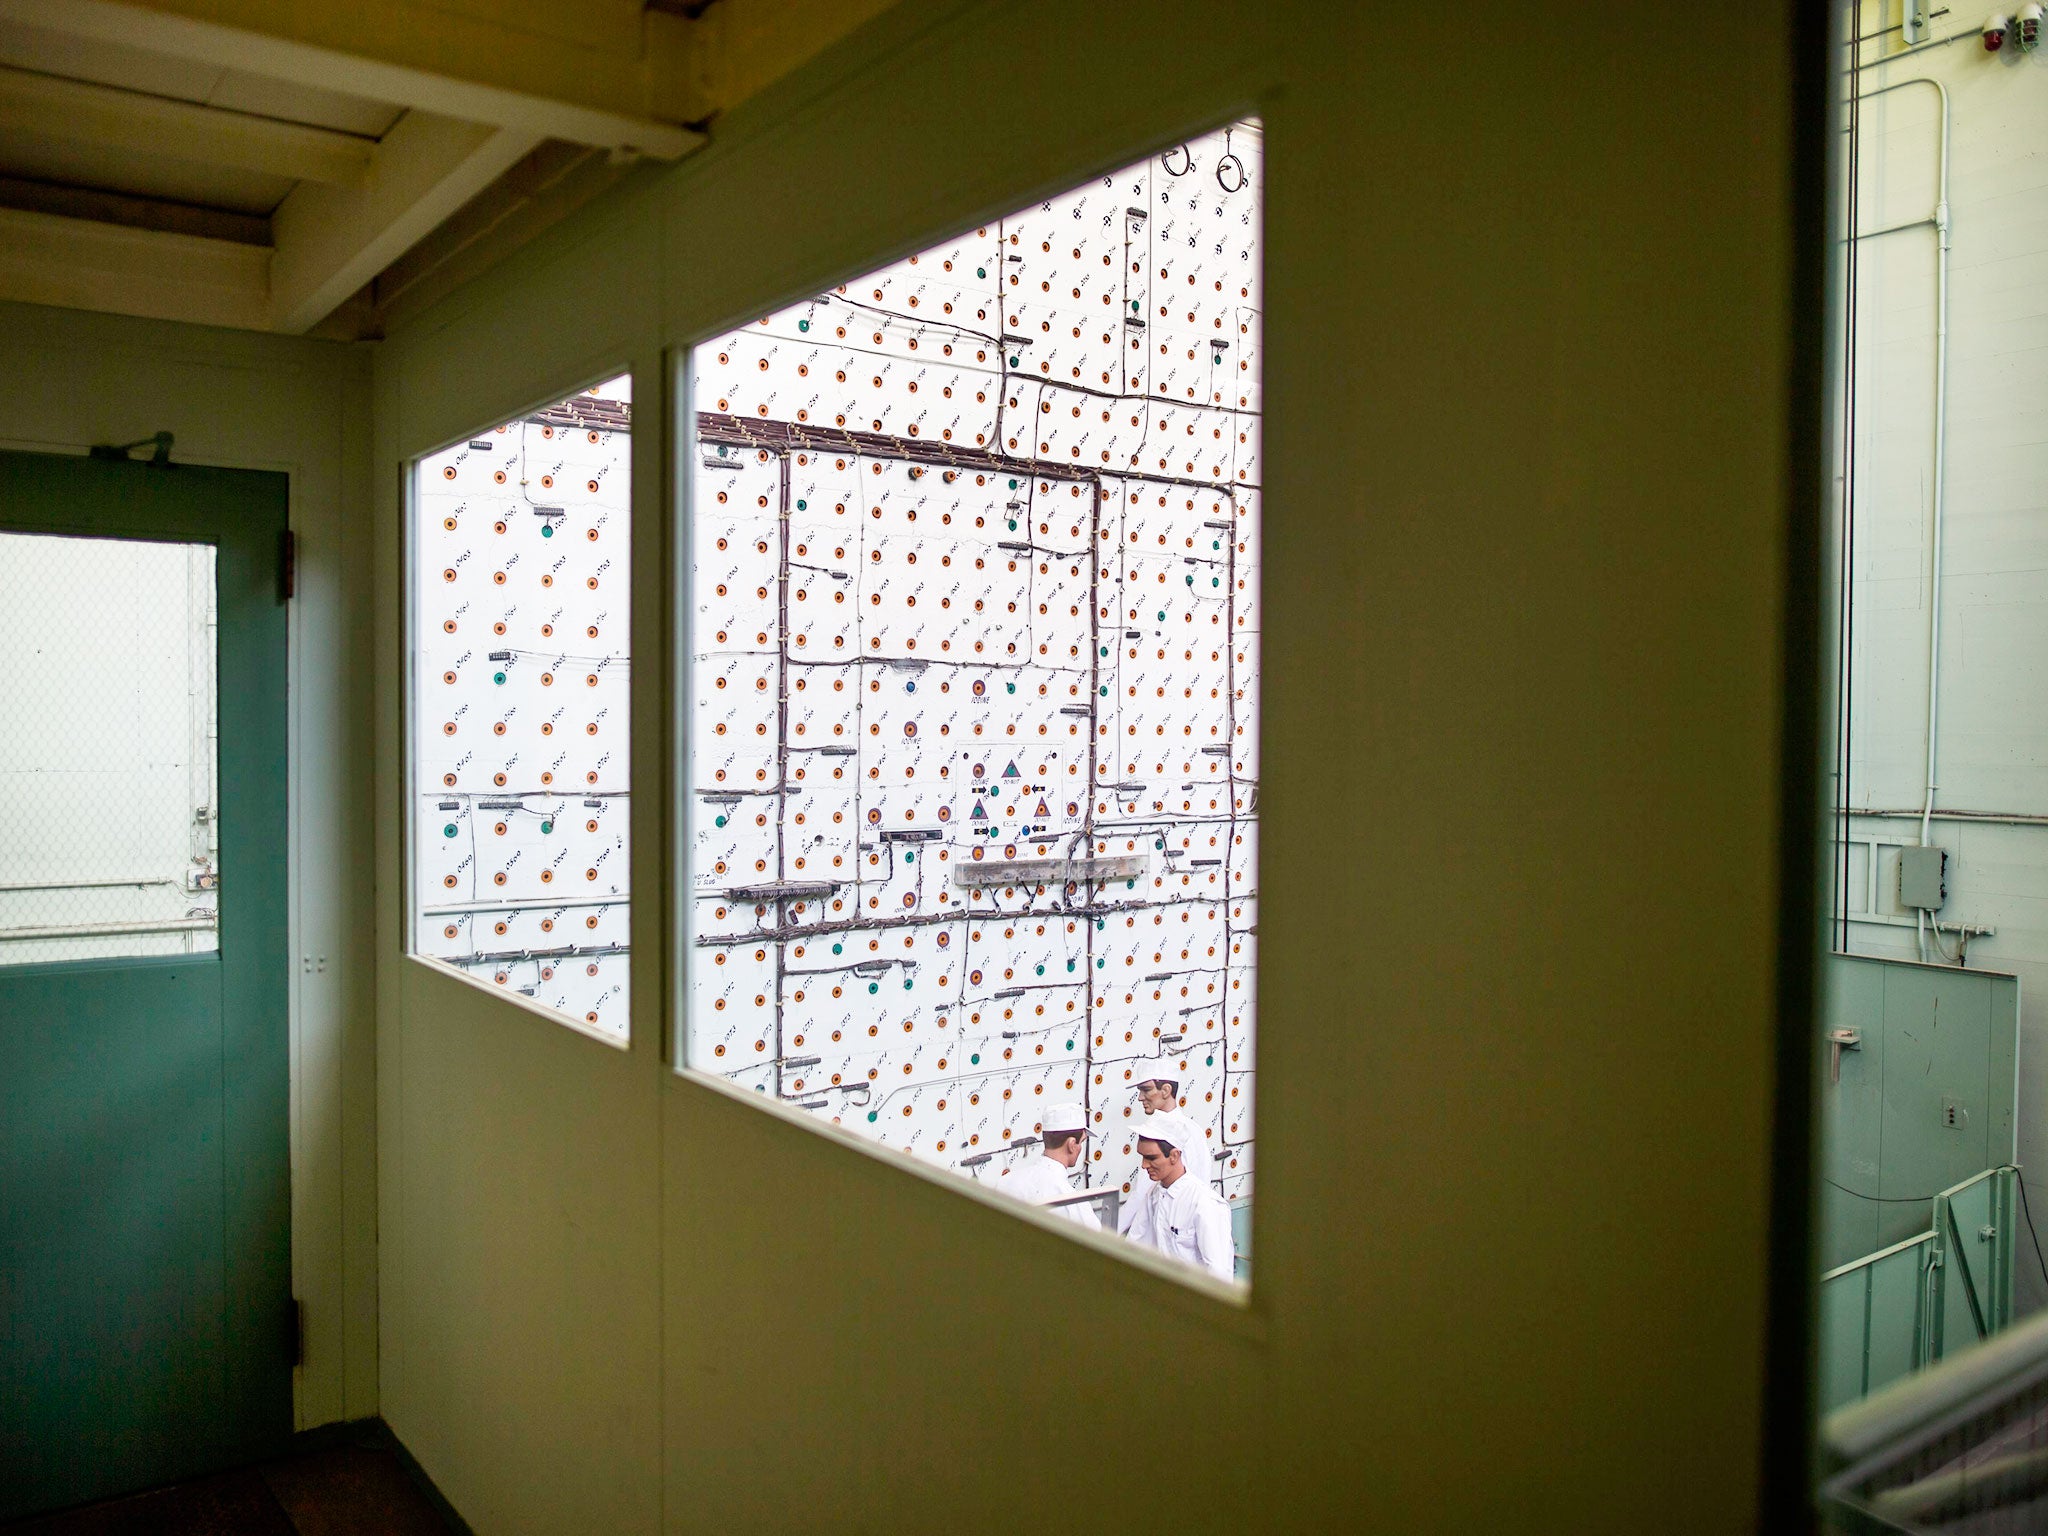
x=146, y=1319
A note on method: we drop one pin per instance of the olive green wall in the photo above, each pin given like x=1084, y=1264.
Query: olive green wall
x=1528, y=433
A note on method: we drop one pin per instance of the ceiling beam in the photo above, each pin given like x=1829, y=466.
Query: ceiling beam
x=77, y=110
x=615, y=91
x=137, y=212
x=84, y=264
x=332, y=240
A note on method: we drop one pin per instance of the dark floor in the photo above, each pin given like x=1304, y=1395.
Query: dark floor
x=345, y=1490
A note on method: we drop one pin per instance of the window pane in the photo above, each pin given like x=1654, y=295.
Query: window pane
x=973, y=693
x=520, y=711
x=110, y=844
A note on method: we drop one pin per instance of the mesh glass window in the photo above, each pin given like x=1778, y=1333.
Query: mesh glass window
x=111, y=845
x=972, y=768
x=520, y=537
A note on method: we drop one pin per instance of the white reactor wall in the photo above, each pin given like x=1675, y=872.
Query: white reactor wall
x=522, y=666
x=973, y=679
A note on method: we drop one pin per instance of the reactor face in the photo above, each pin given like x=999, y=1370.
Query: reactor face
x=971, y=686
x=521, y=670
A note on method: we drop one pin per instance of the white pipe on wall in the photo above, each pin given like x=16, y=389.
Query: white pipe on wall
x=1939, y=219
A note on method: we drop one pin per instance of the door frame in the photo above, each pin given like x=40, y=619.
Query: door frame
x=244, y=514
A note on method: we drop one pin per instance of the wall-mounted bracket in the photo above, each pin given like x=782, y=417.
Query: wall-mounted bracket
x=1840, y=1040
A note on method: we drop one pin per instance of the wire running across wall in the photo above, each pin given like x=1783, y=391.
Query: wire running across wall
x=972, y=687
x=521, y=623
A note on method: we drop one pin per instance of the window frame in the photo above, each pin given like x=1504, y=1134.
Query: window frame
x=410, y=715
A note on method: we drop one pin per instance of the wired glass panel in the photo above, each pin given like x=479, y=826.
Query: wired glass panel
x=972, y=695
x=522, y=672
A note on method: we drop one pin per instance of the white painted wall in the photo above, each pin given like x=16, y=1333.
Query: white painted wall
x=68, y=380
x=1993, y=734
x=1525, y=591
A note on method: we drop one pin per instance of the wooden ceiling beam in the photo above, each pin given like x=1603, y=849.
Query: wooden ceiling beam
x=625, y=93
x=46, y=258
x=87, y=113
x=333, y=240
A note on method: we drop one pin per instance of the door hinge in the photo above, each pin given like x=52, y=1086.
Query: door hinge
x=287, y=566
x=295, y=1321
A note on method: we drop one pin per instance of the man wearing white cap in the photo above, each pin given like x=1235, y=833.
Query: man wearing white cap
x=1160, y=1095
x=1179, y=1214
x=1043, y=1179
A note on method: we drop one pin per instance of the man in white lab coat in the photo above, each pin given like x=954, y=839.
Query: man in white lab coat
x=1177, y=1213
x=1045, y=1178
x=1160, y=1095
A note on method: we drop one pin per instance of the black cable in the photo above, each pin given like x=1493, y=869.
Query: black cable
x=1881, y=1199
x=2025, y=1209
x=2028, y=1212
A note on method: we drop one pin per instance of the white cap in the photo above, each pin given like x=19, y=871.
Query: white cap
x=1165, y=1072
x=1062, y=1119
x=1171, y=1129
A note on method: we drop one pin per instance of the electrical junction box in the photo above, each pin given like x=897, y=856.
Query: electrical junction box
x=1923, y=878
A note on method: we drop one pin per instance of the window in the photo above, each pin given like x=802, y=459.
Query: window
x=520, y=706
x=112, y=846
x=972, y=770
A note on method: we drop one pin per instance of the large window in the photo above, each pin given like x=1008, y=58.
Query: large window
x=972, y=768
x=520, y=694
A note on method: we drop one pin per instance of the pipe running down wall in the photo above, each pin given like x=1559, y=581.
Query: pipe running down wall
x=1938, y=221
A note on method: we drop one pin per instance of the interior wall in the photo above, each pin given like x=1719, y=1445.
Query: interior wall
x=1990, y=762
x=1529, y=400
x=69, y=380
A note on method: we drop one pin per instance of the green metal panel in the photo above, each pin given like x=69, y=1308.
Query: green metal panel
x=1937, y=1048
x=1844, y=1337
x=1923, y=1299
x=1932, y=1037
x=1851, y=1127
x=1896, y=1341
x=111, y=1264
x=145, y=1182
x=1973, y=1226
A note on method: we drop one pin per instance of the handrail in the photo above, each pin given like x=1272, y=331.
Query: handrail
x=1908, y=1242
x=1106, y=1192
x=1918, y=1402
x=1883, y=1253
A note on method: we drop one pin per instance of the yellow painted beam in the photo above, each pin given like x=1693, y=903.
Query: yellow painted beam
x=46, y=258
x=83, y=112
x=332, y=240
x=534, y=78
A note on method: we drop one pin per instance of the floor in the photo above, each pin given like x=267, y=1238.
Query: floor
x=343, y=1490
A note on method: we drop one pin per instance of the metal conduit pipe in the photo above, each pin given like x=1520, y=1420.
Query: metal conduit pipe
x=1939, y=219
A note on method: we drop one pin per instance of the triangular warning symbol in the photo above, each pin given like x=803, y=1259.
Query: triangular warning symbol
x=1043, y=808
x=979, y=813
x=1011, y=771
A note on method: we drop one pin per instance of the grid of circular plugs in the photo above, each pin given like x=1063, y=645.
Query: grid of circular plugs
x=521, y=698
x=973, y=688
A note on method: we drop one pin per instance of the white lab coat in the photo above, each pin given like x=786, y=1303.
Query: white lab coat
x=1042, y=1179
x=1187, y=1220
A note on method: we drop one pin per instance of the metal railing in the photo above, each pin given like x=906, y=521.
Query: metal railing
x=1901, y=1309
x=1960, y=1446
